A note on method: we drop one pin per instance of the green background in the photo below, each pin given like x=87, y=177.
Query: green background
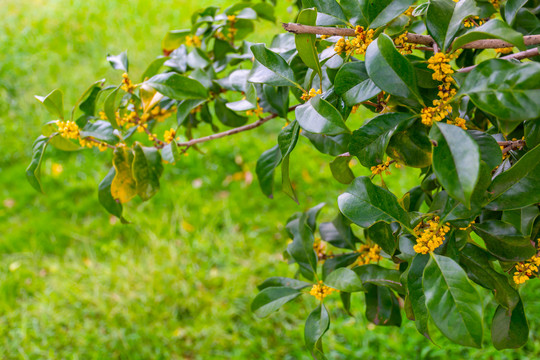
x=177, y=282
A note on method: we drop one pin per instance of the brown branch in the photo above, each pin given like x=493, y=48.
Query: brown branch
x=411, y=38
x=232, y=131
x=517, y=56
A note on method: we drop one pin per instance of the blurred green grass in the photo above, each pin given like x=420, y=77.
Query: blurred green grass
x=177, y=282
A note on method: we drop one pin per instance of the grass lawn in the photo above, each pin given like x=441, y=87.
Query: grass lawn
x=178, y=281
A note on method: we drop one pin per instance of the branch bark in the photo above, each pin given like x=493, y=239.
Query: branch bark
x=232, y=131
x=411, y=38
x=517, y=56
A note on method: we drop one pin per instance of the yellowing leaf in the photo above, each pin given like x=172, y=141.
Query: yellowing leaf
x=123, y=187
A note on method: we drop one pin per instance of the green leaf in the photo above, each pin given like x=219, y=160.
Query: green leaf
x=456, y=161
x=453, y=302
x=184, y=109
x=505, y=89
x=511, y=8
x=344, y=279
x=380, y=276
x=355, y=11
x=390, y=70
x=519, y=186
x=123, y=186
x=493, y=29
x=271, y=299
x=369, y=142
x=341, y=171
x=381, y=12
x=320, y=117
x=444, y=19
x=382, y=234
x=411, y=147
x=50, y=130
x=170, y=153
x=178, y=87
x=287, y=139
x=154, y=67
x=119, y=62
x=382, y=306
x=226, y=115
x=109, y=107
x=101, y=130
x=365, y=204
x=331, y=145
x=353, y=84
x=504, y=241
x=266, y=165
x=272, y=69
x=316, y=326
x=305, y=43
x=509, y=329
x=479, y=269
x=301, y=248
x=105, y=197
x=147, y=169
x=338, y=262
x=54, y=103
x=532, y=132
x=277, y=281
x=33, y=171
x=329, y=12
x=338, y=233
x=522, y=219
x=490, y=151
x=417, y=297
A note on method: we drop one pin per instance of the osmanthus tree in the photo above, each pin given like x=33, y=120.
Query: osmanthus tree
x=454, y=90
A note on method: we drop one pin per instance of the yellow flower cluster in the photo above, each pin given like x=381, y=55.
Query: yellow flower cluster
x=193, y=41
x=406, y=48
x=358, y=45
x=380, y=168
x=504, y=51
x=431, y=235
x=324, y=37
x=127, y=85
x=320, y=248
x=368, y=254
x=440, y=64
x=232, y=29
x=459, y=122
x=169, y=135
x=161, y=114
x=258, y=111
x=90, y=143
x=68, y=129
x=311, y=94
x=495, y=3
x=320, y=291
x=409, y=11
x=472, y=21
x=526, y=270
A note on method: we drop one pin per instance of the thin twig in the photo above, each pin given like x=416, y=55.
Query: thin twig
x=411, y=38
x=517, y=56
x=232, y=131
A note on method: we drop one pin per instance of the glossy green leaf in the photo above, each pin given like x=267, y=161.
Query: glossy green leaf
x=170, y=153
x=381, y=12
x=184, y=109
x=380, y=276
x=226, y=115
x=390, y=70
x=272, y=69
x=519, y=186
x=493, y=29
x=522, y=219
x=444, y=19
x=320, y=117
x=109, y=107
x=287, y=140
x=154, y=67
x=365, y=204
x=101, y=130
x=382, y=306
x=453, y=302
x=456, y=161
x=271, y=299
x=105, y=197
x=147, y=169
x=417, y=298
x=277, y=281
x=316, y=326
x=338, y=233
x=479, y=269
x=504, y=241
x=382, y=234
x=509, y=329
x=344, y=279
x=490, y=151
x=119, y=62
x=356, y=12
x=174, y=39
x=353, y=84
x=331, y=145
x=338, y=262
x=511, y=8
x=305, y=43
x=341, y=171
x=177, y=87
x=411, y=147
x=33, y=171
x=54, y=103
x=265, y=168
x=532, y=132
x=301, y=248
x=369, y=142
x=505, y=89
x=329, y=12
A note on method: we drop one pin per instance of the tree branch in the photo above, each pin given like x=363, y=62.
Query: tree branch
x=517, y=56
x=411, y=38
x=232, y=131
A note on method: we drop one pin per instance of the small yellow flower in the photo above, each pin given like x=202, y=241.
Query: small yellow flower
x=368, y=254
x=431, y=235
x=526, y=269
x=169, y=135
x=504, y=51
x=193, y=41
x=311, y=94
x=320, y=291
x=68, y=129
x=406, y=48
x=127, y=85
